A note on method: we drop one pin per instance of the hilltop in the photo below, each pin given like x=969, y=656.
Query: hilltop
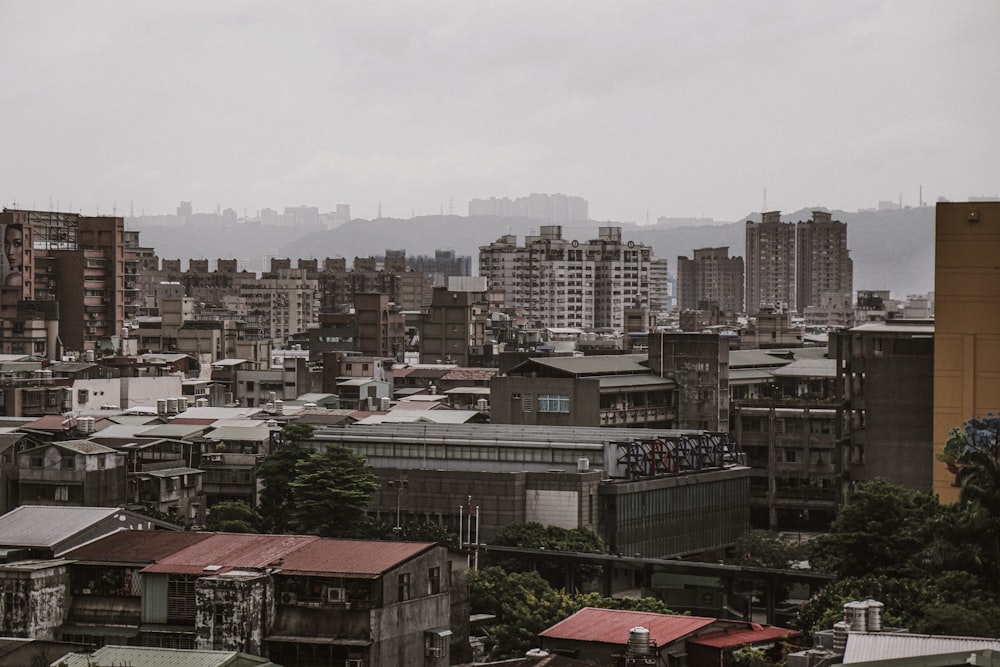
x=891, y=249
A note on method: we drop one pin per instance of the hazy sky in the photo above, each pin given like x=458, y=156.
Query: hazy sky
x=652, y=108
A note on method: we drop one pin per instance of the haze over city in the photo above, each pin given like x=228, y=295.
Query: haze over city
x=646, y=110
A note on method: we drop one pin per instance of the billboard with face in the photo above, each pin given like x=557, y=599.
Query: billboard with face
x=12, y=262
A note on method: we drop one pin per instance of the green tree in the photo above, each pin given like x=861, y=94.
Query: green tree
x=231, y=516
x=331, y=493
x=295, y=433
x=277, y=472
x=878, y=531
x=973, y=453
x=525, y=604
x=904, y=600
x=762, y=548
x=533, y=535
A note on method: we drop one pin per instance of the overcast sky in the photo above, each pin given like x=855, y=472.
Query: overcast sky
x=645, y=109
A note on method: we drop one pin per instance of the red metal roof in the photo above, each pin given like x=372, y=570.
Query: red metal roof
x=611, y=626
x=50, y=423
x=742, y=635
x=136, y=546
x=291, y=554
x=354, y=558
x=230, y=551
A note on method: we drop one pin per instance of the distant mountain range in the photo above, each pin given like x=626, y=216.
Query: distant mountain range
x=892, y=250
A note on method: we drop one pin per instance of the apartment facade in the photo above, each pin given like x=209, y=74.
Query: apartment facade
x=710, y=276
x=569, y=283
x=770, y=264
x=967, y=323
x=823, y=264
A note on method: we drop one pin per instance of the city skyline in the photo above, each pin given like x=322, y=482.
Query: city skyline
x=671, y=110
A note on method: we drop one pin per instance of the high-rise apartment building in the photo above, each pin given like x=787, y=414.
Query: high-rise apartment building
x=966, y=324
x=563, y=283
x=789, y=267
x=823, y=264
x=712, y=276
x=78, y=261
x=770, y=264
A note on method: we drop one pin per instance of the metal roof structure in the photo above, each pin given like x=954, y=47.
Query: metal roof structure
x=814, y=368
x=611, y=626
x=422, y=415
x=172, y=431
x=136, y=546
x=608, y=364
x=221, y=413
x=637, y=381
x=258, y=433
x=742, y=635
x=162, y=657
x=224, y=552
x=48, y=525
x=362, y=559
x=871, y=646
x=78, y=446
x=288, y=554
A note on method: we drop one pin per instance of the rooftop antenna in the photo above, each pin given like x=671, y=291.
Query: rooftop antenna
x=764, y=209
x=380, y=210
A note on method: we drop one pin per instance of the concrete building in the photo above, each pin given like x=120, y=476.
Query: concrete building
x=608, y=390
x=646, y=491
x=286, y=297
x=563, y=283
x=770, y=264
x=823, y=264
x=698, y=364
x=71, y=473
x=886, y=371
x=967, y=323
x=299, y=600
x=711, y=276
x=453, y=329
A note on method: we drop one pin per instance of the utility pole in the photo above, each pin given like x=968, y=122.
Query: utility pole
x=399, y=485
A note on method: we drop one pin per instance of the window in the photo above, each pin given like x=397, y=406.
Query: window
x=553, y=403
x=62, y=493
x=403, y=581
x=527, y=403
x=434, y=581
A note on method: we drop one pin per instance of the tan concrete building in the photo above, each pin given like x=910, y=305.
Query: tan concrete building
x=967, y=323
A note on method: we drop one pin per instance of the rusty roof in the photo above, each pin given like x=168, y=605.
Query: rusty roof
x=463, y=374
x=611, y=626
x=743, y=634
x=350, y=558
x=218, y=553
x=223, y=552
x=136, y=546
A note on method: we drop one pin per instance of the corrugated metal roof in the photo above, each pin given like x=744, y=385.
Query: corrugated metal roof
x=231, y=551
x=741, y=635
x=463, y=374
x=757, y=358
x=421, y=415
x=611, y=626
x=293, y=554
x=256, y=433
x=350, y=558
x=469, y=390
x=173, y=472
x=48, y=525
x=49, y=423
x=868, y=646
x=593, y=365
x=749, y=375
x=172, y=430
x=159, y=657
x=620, y=381
x=83, y=447
x=136, y=546
x=826, y=368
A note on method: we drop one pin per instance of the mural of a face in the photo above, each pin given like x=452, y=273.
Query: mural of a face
x=13, y=250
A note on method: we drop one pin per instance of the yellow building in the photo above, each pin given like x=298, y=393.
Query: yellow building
x=967, y=323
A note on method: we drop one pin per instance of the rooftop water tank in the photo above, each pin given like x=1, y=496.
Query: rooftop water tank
x=638, y=641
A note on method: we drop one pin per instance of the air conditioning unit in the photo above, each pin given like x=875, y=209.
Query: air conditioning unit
x=288, y=598
x=353, y=662
x=213, y=458
x=334, y=594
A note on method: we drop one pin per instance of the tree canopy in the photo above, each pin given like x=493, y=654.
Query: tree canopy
x=277, y=472
x=533, y=535
x=231, y=516
x=331, y=493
